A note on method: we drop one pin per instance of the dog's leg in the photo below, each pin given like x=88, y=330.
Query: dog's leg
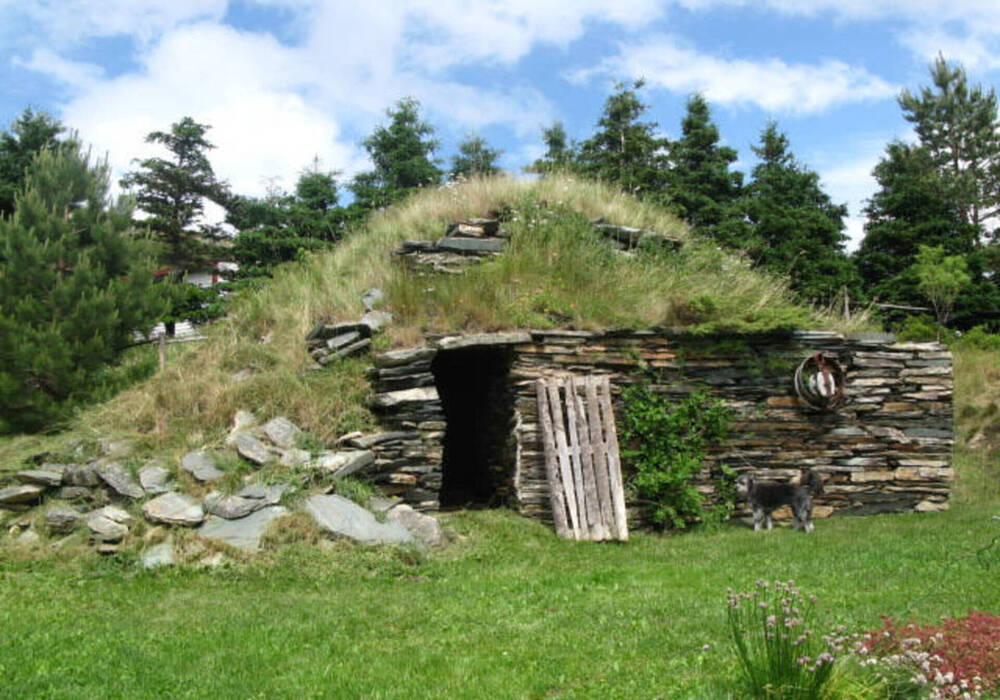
x=770, y=524
x=758, y=518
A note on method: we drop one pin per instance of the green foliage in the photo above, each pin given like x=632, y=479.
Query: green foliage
x=27, y=136
x=402, y=153
x=560, y=154
x=172, y=192
x=74, y=285
x=664, y=442
x=979, y=338
x=475, y=157
x=940, y=278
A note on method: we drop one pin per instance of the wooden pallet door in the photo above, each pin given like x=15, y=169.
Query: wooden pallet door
x=582, y=462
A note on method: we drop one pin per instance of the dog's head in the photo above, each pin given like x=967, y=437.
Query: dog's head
x=744, y=484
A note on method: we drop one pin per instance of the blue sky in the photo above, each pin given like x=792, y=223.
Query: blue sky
x=282, y=82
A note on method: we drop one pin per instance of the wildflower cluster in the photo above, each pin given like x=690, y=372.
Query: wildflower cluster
x=960, y=658
x=781, y=653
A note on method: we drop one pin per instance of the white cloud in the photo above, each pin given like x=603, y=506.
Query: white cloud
x=772, y=84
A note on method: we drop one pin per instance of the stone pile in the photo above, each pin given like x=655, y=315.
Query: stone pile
x=628, y=238
x=330, y=341
x=464, y=243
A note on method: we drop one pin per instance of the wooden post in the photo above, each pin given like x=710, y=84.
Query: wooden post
x=614, y=460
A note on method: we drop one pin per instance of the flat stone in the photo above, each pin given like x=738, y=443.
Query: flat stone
x=120, y=481
x=376, y=320
x=343, y=340
x=231, y=507
x=471, y=246
x=244, y=420
x=371, y=298
x=352, y=349
x=928, y=433
x=294, y=457
x=368, y=441
x=155, y=478
x=391, y=399
x=268, y=495
x=27, y=493
x=114, y=513
x=116, y=449
x=931, y=506
x=41, y=477
x=80, y=475
x=174, y=509
x=415, y=246
x=244, y=533
x=343, y=518
x=158, y=555
x=105, y=529
x=251, y=448
x=456, y=342
x=282, y=432
x=326, y=331
x=426, y=529
x=383, y=504
x=201, y=465
x=398, y=358
x=61, y=518
x=75, y=493
x=341, y=464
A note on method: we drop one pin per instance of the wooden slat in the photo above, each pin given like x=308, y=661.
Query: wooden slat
x=576, y=477
x=597, y=529
x=559, y=425
x=614, y=459
x=551, y=462
x=597, y=444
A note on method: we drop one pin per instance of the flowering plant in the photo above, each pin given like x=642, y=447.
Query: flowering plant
x=780, y=652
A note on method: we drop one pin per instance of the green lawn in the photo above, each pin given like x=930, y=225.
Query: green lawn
x=509, y=612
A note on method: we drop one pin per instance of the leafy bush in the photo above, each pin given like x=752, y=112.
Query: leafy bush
x=979, y=338
x=665, y=441
x=923, y=328
x=780, y=652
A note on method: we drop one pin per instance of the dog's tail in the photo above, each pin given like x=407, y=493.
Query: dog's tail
x=812, y=481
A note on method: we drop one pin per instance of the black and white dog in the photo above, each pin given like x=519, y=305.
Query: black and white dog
x=765, y=496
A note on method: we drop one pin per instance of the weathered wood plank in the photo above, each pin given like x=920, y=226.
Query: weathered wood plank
x=576, y=476
x=559, y=424
x=614, y=459
x=556, y=495
x=598, y=444
x=597, y=529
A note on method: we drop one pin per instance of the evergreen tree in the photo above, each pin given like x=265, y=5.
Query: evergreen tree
x=959, y=128
x=706, y=193
x=172, y=191
x=74, y=285
x=475, y=157
x=623, y=150
x=30, y=133
x=797, y=230
x=559, y=156
x=402, y=153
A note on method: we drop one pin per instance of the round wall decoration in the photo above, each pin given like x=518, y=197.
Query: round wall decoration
x=819, y=381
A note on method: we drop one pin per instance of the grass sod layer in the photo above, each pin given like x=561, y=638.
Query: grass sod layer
x=510, y=612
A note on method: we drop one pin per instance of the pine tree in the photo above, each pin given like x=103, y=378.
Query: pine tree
x=797, y=230
x=560, y=155
x=623, y=150
x=402, y=153
x=74, y=285
x=474, y=157
x=30, y=133
x=172, y=191
x=706, y=193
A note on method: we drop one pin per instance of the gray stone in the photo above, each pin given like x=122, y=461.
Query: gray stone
x=114, y=513
x=426, y=529
x=243, y=420
x=115, y=476
x=105, y=529
x=158, y=555
x=398, y=358
x=269, y=494
x=928, y=433
x=456, y=342
x=75, y=493
x=14, y=495
x=231, y=507
x=413, y=246
x=174, y=509
x=343, y=518
x=372, y=298
x=282, y=432
x=116, y=449
x=294, y=457
x=392, y=399
x=376, y=320
x=42, y=477
x=368, y=441
x=251, y=448
x=325, y=331
x=61, y=518
x=383, y=504
x=343, y=340
x=80, y=475
x=244, y=533
x=348, y=350
x=155, y=478
x=28, y=538
x=341, y=464
x=201, y=465
x=471, y=246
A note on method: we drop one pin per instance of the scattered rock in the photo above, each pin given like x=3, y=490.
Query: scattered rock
x=75, y=493
x=341, y=464
x=230, y=507
x=42, y=477
x=108, y=548
x=407, y=356
x=393, y=399
x=368, y=441
x=269, y=494
x=294, y=457
x=376, y=320
x=201, y=465
x=426, y=529
x=28, y=538
x=115, y=476
x=80, y=475
x=155, y=478
x=105, y=529
x=116, y=449
x=14, y=495
x=347, y=437
x=343, y=518
x=115, y=513
x=371, y=298
x=158, y=555
x=251, y=448
x=245, y=532
x=244, y=420
x=60, y=518
x=174, y=509
x=382, y=504
x=282, y=432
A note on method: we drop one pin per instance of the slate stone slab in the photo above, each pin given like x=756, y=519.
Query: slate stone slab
x=174, y=509
x=294, y=457
x=115, y=476
x=426, y=529
x=343, y=518
x=353, y=349
x=61, y=518
x=244, y=533
x=243, y=420
x=251, y=448
x=343, y=340
x=456, y=342
x=282, y=432
x=14, y=495
x=158, y=555
x=80, y=475
x=365, y=442
x=398, y=358
x=75, y=493
x=155, y=479
x=231, y=507
x=376, y=321
x=471, y=246
x=105, y=529
x=115, y=513
x=341, y=464
x=269, y=494
x=41, y=477
x=392, y=399
x=201, y=465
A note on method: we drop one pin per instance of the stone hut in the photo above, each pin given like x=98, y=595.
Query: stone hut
x=461, y=427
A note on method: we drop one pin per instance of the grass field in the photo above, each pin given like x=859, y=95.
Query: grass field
x=509, y=612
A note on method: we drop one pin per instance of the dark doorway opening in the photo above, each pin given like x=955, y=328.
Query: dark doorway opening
x=478, y=458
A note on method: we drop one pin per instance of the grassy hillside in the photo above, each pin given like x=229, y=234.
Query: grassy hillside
x=556, y=272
